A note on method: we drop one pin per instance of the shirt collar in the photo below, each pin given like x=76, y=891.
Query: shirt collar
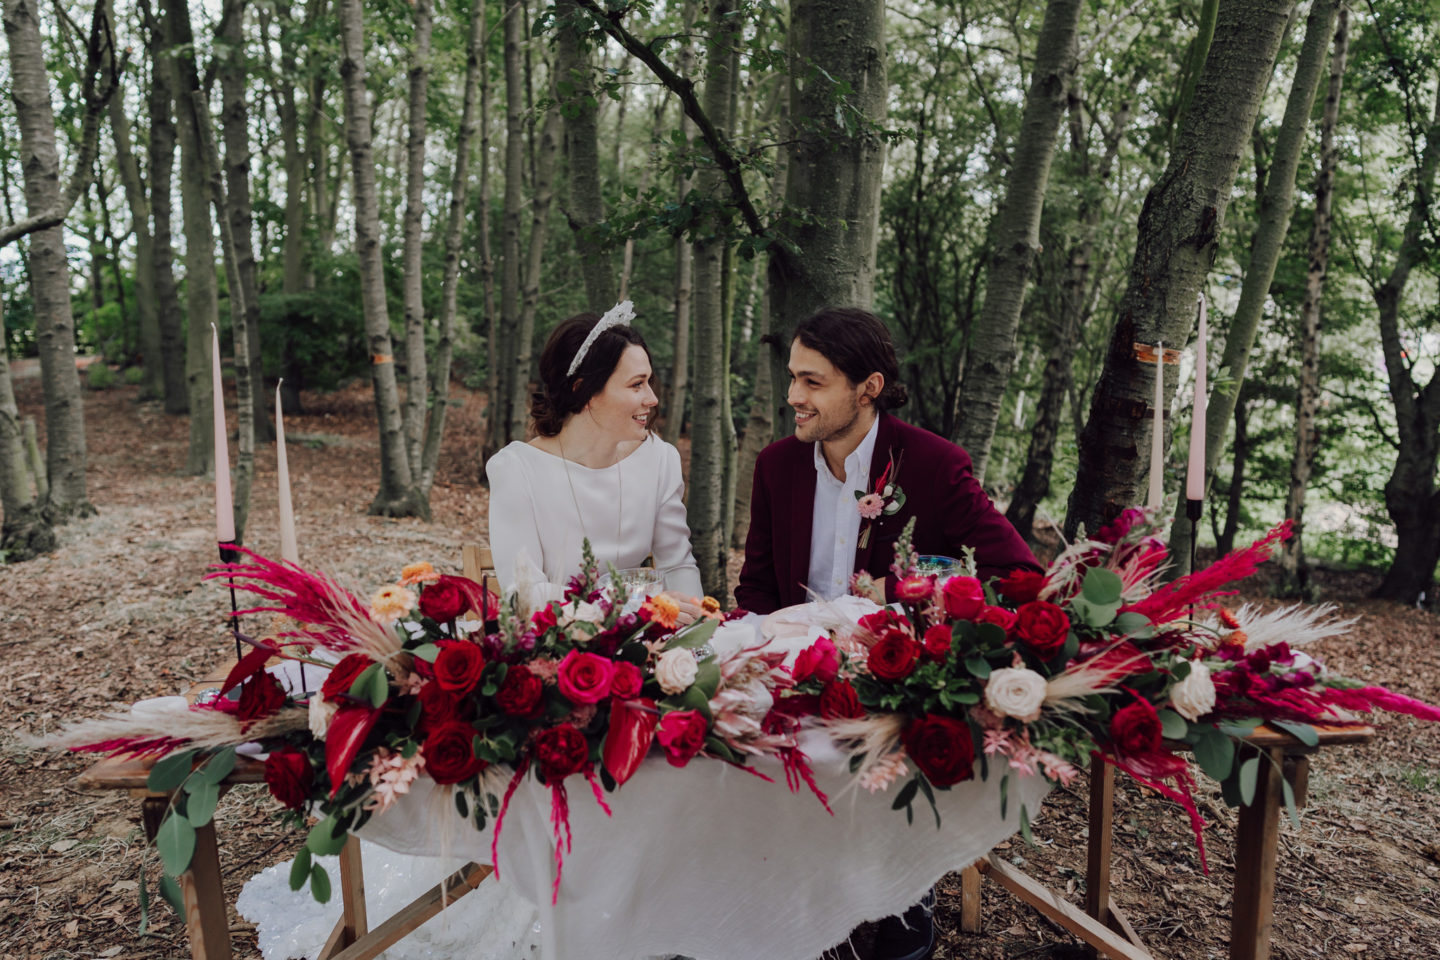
x=857, y=465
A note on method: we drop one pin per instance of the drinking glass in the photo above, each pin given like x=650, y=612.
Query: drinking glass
x=941, y=568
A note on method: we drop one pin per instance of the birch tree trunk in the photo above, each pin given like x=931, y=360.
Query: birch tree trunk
x=416, y=377
x=454, y=234
x=160, y=164
x=575, y=93
x=1294, y=579
x=544, y=195
x=1276, y=203
x=397, y=496
x=1016, y=235
x=1411, y=497
x=706, y=504
x=49, y=269
x=487, y=259
x=25, y=533
x=679, y=385
x=1176, y=242
x=835, y=170
x=504, y=416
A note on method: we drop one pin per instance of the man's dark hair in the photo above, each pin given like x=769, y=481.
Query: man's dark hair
x=563, y=395
x=858, y=344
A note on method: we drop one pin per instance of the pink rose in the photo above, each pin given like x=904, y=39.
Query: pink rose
x=585, y=677
x=681, y=735
x=964, y=598
x=627, y=681
x=819, y=660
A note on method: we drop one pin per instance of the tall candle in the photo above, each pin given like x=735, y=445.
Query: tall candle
x=288, y=549
x=1195, y=472
x=1157, y=437
x=224, y=504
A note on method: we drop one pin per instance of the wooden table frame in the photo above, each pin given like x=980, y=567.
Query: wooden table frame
x=1103, y=926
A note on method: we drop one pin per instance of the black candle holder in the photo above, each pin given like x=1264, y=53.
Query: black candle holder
x=228, y=554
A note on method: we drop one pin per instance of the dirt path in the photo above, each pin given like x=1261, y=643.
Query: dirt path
x=120, y=613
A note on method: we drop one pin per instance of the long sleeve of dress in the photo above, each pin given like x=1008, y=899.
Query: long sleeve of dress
x=671, y=543
x=514, y=523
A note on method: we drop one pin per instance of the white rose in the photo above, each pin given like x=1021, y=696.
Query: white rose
x=675, y=670
x=1194, y=696
x=1015, y=692
x=320, y=714
x=579, y=612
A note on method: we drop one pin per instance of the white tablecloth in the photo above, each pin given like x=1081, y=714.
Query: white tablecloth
x=711, y=862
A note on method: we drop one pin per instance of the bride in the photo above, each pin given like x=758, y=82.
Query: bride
x=594, y=470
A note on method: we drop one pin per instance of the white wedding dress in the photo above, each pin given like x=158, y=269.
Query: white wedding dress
x=629, y=511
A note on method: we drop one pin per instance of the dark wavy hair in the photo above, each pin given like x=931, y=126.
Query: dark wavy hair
x=561, y=396
x=858, y=344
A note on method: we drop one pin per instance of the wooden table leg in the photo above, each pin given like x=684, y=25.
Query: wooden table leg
x=1257, y=840
x=1097, y=859
x=205, y=917
x=971, y=918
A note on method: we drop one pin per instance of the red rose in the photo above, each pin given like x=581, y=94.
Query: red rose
x=627, y=681
x=964, y=597
x=681, y=735
x=544, y=618
x=913, y=589
x=288, y=775
x=560, y=751
x=459, y=665
x=893, y=658
x=1002, y=618
x=1042, y=627
x=443, y=600
x=941, y=748
x=838, y=701
x=437, y=706
x=879, y=621
x=343, y=674
x=938, y=640
x=1021, y=586
x=519, y=694
x=585, y=677
x=450, y=753
x=819, y=660
x=260, y=696
x=1135, y=730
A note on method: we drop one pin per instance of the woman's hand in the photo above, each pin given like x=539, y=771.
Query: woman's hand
x=689, y=610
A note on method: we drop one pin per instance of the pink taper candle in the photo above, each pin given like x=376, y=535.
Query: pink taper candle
x=224, y=504
x=1157, y=435
x=1195, y=472
x=288, y=549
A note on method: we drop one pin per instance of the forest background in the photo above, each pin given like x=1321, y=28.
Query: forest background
x=1032, y=194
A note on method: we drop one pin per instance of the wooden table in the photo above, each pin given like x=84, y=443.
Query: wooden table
x=1104, y=927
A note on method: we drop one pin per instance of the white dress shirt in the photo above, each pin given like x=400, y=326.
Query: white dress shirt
x=835, y=524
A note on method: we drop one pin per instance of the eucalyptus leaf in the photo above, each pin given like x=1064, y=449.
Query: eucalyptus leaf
x=300, y=869
x=990, y=635
x=1290, y=802
x=1134, y=625
x=1101, y=587
x=906, y=796
x=694, y=636
x=1249, y=770
x=218, y=767
x=1172, y=725
x=170, y=890
x=1215, y=752
x=979, y=667
x=176, y=841
x=1303, y=732
x=426, y=651
x=322, y=839
x=319, y=884
x=200, y=806
x=170, y=772
x=707, y=678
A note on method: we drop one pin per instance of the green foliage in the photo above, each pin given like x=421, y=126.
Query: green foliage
x=99, y=376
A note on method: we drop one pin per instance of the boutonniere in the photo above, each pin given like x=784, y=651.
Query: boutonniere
x=885, y=501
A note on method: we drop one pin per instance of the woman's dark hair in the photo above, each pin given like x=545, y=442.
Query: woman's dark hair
x=858, y=344
x=561, y=396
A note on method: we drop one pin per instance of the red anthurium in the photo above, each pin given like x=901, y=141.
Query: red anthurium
x=632, y=729
x=249, y=665
x=348, y=730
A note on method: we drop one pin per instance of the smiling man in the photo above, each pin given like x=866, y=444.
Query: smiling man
x=820, y=512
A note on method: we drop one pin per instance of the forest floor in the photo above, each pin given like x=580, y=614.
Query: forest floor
x=119, y=613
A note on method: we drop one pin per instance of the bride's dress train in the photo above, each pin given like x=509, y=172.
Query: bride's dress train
x=492, y=922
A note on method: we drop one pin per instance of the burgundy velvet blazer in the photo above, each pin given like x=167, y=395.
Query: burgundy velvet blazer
x=941, y=492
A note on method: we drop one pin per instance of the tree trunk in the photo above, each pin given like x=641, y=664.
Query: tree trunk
x=679, y=386
x=234, y=123
x=1411, y=497
x=708, y=454
x=293, y=269
x=416, y=376
x=49, y=270
x=1276, y=203
x=1175, y=245
x=397, y=496
x=575, y=94
x=1016, y=235
x=540, y=201
x=324, y=182
x=25, y=533
x=505, y=416
x=835, y=170
x=160, y=157
x=487, y=261
x=1239, y=453
x=1294, y=578
x=454, y=234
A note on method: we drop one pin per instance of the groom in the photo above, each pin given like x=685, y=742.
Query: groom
x=809, y=529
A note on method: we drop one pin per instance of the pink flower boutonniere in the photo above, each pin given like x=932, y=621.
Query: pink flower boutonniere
x=886, y=500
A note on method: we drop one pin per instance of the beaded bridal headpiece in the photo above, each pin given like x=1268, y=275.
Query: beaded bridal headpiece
x=622, y=313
